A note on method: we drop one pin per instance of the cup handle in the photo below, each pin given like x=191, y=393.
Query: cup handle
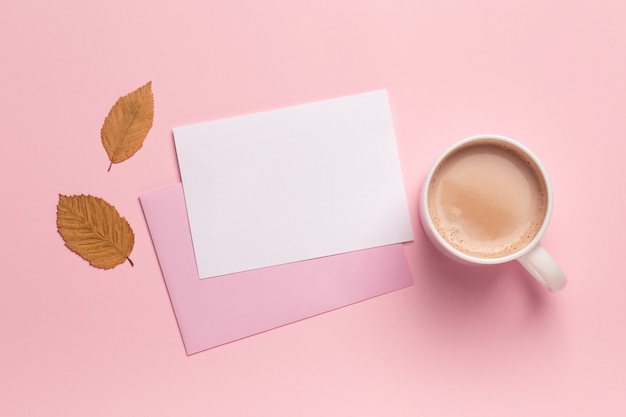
x=544, y=268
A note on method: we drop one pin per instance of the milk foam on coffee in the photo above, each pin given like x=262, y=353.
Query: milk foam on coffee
x=487, y=199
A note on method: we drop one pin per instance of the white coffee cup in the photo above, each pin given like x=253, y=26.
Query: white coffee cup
x=488, y=200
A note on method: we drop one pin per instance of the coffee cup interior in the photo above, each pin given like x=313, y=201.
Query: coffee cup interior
x=486, y=199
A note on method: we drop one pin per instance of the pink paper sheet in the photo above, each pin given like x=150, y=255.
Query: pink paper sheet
x=219, y=310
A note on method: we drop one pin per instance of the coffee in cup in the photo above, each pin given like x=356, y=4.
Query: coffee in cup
x=488, y=200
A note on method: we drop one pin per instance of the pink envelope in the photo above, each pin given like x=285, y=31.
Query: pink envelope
x=219, y=310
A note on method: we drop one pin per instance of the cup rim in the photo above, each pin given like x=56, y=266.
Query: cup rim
x=474, y=259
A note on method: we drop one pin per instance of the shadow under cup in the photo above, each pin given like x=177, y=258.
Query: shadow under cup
x=488, y=200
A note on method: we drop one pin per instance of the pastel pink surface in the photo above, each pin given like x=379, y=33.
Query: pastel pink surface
x=77, y=341
x=218, y=310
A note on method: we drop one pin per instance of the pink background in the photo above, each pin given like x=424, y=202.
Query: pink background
x=77, y=341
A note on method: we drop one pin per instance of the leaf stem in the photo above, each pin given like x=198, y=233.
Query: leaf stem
x=131, y=262
x=110, y=165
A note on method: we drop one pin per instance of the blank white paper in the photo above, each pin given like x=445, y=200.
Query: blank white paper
x=292, y=184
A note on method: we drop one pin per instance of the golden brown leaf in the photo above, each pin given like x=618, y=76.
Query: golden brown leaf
x=127, y=124
x=93, y=229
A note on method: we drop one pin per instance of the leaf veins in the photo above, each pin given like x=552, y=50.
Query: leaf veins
x=94, y=230
x=127, y=124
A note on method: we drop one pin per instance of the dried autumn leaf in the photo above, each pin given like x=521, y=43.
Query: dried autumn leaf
x=93, y=229
x=127, y=124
